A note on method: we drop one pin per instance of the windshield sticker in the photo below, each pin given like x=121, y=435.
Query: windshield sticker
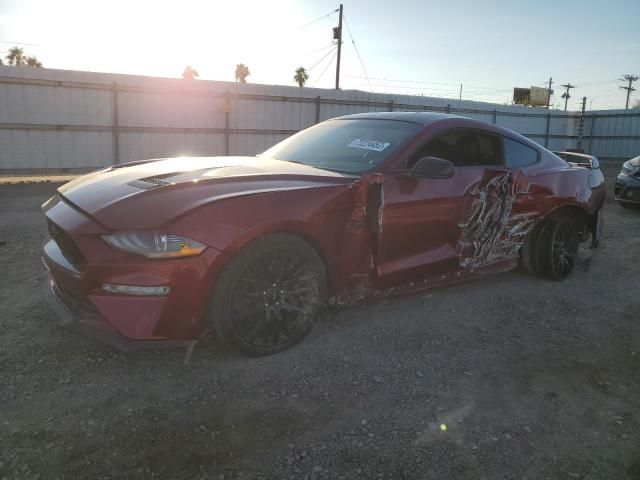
x=369, y=144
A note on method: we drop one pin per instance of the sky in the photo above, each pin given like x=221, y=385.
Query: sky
x=418, y=47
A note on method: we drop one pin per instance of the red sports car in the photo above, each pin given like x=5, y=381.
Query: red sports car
x=161, y=251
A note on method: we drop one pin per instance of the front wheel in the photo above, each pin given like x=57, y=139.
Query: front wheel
x=558, y=248
x=267, y=298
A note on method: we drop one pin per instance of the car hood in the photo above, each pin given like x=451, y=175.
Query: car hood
x=634, y=162
x=149, y=193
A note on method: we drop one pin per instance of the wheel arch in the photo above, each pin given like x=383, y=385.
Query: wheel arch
x=575, y=211
x=529, y=250
x=294, y=229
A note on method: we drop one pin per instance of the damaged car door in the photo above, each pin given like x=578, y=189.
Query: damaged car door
x=438, y=226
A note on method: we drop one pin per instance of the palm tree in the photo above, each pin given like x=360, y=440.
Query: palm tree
x=301, y=76
x=33, y=62
x=190, y=73
x=16, y=57
x=242, y=72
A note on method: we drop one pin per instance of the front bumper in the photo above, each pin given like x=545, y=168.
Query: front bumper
x=627, y=189
x=127, y=322
x=90, y=324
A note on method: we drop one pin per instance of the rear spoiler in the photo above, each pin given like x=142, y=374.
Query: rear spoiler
x=579, y=160
x=590, y=163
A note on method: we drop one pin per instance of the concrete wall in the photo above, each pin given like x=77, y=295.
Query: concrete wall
x=68, y=119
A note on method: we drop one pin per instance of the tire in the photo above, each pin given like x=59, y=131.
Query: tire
x=266, y=300
x=529, y=252
x=558, y=248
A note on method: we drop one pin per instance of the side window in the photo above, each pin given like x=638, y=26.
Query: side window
x=518, y=154
x=462, y=148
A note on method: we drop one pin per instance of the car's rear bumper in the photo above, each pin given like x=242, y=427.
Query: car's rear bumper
x=627, y=189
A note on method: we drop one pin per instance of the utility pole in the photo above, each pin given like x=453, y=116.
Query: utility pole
x=549, y=92
x=566, y=95
x=629, y=88
x=337, y=35
x=581, y=124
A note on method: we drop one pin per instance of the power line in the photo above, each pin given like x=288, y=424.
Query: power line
x=489, y=88
x=405, y=87
x=599, y=82
x=451, y=91
x=437, y=93
x=453, y=85
x=403, y=81
x=20, y=43
x=318, y=19
x=335, y=52
x=325, y=56
x=357, y=52
x=323, y=48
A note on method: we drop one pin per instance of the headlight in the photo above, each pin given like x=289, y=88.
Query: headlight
x=155, y=245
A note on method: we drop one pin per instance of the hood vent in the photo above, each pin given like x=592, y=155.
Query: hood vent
x=154, y=181
x=172, y=178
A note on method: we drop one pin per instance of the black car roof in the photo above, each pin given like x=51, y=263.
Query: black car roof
x=421, y=118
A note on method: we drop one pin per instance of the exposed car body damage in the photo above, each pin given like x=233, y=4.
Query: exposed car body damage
x=378, y=232
x=492, y=232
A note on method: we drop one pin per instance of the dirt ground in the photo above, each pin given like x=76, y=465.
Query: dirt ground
x=505, y=377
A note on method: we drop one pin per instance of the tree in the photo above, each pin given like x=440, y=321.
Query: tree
x=16, y=57
x=32, y=61
x=301, y=76
x=636, y=104
x=190, y=73
x=242, y=72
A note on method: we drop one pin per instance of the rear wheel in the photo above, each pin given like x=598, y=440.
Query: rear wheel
x=267, y=299
x=558, y=248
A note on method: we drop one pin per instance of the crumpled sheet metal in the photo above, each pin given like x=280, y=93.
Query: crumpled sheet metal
x=492, y=232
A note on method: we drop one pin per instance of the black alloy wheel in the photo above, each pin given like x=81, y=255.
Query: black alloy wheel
x=560, y=242
x=268, y=297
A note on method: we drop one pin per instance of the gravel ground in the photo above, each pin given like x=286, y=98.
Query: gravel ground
x=505, y=377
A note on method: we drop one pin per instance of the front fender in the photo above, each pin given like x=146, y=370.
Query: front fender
x=330, y=218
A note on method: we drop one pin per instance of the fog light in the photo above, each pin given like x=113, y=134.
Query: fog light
x=135, y=289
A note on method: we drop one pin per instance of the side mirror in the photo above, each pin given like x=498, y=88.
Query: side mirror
x=433, y=167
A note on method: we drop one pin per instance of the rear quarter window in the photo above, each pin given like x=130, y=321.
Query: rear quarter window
x=518, y=154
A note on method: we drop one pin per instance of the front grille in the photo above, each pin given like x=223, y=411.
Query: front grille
x=67, y=246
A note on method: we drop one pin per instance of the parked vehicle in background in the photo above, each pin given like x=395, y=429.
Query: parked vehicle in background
x=627, y=186
x=364, y=205
x=578, y=159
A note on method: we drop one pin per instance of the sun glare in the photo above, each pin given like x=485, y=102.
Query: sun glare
x=162, y=37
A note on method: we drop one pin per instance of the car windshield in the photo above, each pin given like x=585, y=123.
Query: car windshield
x=352, y=146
